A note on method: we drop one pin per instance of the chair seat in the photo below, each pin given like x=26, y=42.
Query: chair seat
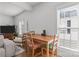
x=35, y=46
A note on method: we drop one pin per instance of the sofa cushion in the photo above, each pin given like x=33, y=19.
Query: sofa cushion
x=1, y=36
x=9, y=47
x=1, y=43
x=2, y=52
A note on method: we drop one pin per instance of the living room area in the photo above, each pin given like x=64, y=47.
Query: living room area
x=17, y=21
x=39, y=29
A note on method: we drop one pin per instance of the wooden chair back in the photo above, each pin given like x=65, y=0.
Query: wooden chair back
x=31, y=33
x=29, y=40
x=55, y=42
x=55, y=45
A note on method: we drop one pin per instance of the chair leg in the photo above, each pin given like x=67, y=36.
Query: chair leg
x=33, y=51
x=27, y=50
x=42, y=52
x=52, y=53
x=56, y=52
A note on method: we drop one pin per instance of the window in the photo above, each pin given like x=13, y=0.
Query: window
x=68, y=31
x=61, y=14
x=20, y=28
x=68, y=28
x=67, y=14
x=73, y=13
x=68, y=23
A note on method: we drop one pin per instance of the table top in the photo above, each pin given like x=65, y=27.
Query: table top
x=43, y=38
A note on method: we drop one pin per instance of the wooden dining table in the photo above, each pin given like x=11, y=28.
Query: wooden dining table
x=46, y=39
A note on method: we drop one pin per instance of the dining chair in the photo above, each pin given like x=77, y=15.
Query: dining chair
x=52, y=47
x=31, y=33
x=23, y=40
x=33, y=46
x=24, y=37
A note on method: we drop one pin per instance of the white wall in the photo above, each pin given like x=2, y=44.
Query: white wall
x=42, y=17
x=6, y=20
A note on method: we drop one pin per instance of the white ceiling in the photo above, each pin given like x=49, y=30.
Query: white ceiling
x=14, y=8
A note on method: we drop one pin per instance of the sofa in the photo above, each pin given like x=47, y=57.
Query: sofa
x=18, y=41
x=7, y=48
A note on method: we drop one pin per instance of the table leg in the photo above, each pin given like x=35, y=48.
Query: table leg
x=47, y=50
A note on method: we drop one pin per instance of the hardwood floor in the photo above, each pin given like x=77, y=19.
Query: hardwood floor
x=24, y=54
